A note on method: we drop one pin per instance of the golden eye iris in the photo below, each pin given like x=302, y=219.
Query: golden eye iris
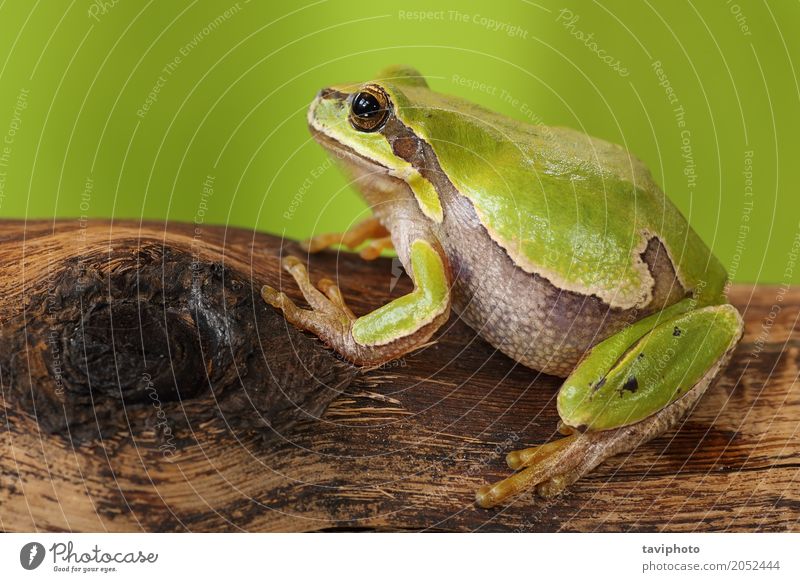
x=369, y=109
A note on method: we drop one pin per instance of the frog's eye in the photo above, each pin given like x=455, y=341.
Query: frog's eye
x=369, y=109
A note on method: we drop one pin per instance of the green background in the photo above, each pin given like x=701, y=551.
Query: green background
x=74, y=77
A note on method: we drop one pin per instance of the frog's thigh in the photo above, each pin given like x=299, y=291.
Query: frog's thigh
x=621, y=382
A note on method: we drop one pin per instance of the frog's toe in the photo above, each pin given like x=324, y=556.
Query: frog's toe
x=375, y=247
x=526, y=457
x=538, y=465
x=331, y=304
x=279, y=300
x=271, y=296
x=334, y=294
x=550, y=468
x=320, y=242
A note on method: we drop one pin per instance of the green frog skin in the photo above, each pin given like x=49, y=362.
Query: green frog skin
x=559, y=249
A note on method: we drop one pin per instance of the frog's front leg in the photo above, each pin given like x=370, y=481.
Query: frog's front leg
x=627, y=390
x=368, y=230
x=384, y=334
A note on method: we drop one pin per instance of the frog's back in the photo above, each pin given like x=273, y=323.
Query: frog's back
x=576, y=210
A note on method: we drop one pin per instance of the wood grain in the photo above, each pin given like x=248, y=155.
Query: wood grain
x=403, y=447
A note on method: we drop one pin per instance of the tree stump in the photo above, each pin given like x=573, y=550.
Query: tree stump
x=146, y=387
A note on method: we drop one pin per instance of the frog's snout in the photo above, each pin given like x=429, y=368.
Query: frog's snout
x=329, y=96
x=313, y=107
x=328, y=107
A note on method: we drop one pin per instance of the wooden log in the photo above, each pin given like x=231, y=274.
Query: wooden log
x=145, y=386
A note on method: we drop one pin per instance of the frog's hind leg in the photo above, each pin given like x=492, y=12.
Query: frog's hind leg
x=368, y=230
x=619, y=399
x=552, y=467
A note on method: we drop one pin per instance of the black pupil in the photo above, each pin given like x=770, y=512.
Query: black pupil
x=366, y=105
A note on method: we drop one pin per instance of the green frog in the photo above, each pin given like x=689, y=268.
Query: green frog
x=559, y=249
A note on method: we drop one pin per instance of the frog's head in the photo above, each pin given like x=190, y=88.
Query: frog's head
x=363, y=120
x=396, y=129
x=368, y=128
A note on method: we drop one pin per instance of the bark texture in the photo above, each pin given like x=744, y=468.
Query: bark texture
x=145, y=386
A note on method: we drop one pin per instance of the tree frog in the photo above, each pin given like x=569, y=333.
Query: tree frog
x=558, y=248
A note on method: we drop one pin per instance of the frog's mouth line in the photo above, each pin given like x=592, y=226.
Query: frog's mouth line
x=345, y=153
